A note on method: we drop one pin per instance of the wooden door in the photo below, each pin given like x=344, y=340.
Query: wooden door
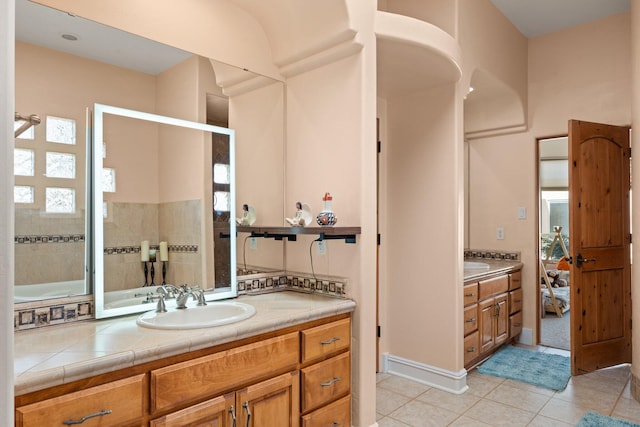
x=599, y=241
x=501, y=313
x=216, y=412
x=486, y=324
x=274, y=402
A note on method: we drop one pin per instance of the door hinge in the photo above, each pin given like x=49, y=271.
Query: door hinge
x=379, y=239
x=379, y=332
x=379, y=146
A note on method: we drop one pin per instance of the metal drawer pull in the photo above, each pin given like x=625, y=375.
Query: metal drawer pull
x=471, y=350
x=473, y=319
x=470, y=295
x=232, y=411
x=335, y=424
x=331, y=341
x=518, y=300
x=86, y=417
x=245, y=405
x=330, y=382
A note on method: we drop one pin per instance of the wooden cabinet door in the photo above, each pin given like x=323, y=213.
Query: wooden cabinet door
x=486, y=324
x=501, y=313
x=216, y=412
x=274, y=402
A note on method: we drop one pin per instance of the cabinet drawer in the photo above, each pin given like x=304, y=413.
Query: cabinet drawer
x=325, y=339
x=515, y=280
x=209, y=375
x=470, y=319
x=515, y=301
x=470, y=294
x=210, y=412
x=471, y=347
x=325, y=381
x=123, y=398
x=515, y=324
x=337, y=413
x=494, y=286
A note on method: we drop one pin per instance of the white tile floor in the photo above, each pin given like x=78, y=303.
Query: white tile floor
x=493, y=401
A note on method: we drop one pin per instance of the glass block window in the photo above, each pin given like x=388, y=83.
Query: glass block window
x=221, y=201
x=23, y=162
x=109, y=180
x=60, y=200
x=27, y=134
x=61, y=131
x=61, y=165
x=221, y=173
x=23, y=194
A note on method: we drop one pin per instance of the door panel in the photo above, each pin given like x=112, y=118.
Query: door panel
x=599, y=180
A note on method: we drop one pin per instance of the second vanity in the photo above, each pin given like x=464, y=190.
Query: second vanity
x=492, y=307
x=288, y=365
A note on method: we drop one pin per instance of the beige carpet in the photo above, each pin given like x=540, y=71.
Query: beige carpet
x=555, y=331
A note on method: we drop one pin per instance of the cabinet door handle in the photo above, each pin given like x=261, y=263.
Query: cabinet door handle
x=330, y=382
x=471, y=350
x=232, y=411
x=330, y=341
x=497, y=308
x=470, y=295
x=335, y=424
x=473, y=319
x=245, y=405
x=86, y=417
x=518, y=300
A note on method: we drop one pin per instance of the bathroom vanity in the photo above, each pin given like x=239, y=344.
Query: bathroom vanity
x=492, y=308
x=289, y=365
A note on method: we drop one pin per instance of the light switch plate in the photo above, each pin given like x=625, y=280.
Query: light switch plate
x=500, y=233
x=253, y=243
x=522, y=213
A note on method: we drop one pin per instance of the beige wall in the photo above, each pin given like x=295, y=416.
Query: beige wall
x=579, y=73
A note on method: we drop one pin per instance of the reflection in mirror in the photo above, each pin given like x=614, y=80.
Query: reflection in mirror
x=59, y=78
x=157, y=207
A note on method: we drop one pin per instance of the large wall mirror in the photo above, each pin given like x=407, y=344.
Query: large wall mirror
x=64, y=65
x=149, y=189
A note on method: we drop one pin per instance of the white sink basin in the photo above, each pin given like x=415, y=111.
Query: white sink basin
x=473, y=265
x=212, y=314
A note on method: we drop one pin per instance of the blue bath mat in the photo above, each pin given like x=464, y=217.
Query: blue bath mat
x=591, y=419
x=550, y=371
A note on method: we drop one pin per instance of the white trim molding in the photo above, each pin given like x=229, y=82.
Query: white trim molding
x=452, y=382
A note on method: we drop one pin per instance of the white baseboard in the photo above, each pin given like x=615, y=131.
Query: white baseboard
x=452, y=382
x=526, y=336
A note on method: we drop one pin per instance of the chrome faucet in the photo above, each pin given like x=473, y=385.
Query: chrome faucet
x=181, y=294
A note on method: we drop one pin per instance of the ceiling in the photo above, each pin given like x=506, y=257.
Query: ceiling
x=102, y=43
x=537, y=17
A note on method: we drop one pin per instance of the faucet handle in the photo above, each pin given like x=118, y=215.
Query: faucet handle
x=200, y=296
x=161, y=308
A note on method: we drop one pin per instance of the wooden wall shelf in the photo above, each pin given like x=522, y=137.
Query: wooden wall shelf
x=348, y=234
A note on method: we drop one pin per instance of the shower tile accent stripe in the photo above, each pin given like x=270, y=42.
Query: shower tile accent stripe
x=49, y=238
x=116, y=250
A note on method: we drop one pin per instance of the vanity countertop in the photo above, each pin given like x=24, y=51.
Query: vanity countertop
x=495, y=266
x=57, y=355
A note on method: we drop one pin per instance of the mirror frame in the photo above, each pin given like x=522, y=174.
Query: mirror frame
x=97, y=276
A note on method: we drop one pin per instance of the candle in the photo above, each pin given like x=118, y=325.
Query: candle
x=164, y=252
x=152, y=255
x=144, y=251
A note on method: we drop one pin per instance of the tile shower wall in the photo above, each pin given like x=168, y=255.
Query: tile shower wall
x=48, y=248
x=178, y=223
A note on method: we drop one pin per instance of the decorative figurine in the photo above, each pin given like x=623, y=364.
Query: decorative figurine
x=248, y=215
x=326, y=217
x=302, y=216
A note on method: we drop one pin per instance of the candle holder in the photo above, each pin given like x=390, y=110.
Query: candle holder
x=164, y=272
x=146, y=273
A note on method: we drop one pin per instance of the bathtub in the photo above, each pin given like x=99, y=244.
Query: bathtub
x=40, y=291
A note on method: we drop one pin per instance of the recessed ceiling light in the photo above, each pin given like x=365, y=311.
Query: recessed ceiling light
x=70, y=37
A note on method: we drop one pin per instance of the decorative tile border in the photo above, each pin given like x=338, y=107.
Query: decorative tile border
x=49, y=238
x=116, y=250
x=491, y=254
x=53, y=312
x=43, y=313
